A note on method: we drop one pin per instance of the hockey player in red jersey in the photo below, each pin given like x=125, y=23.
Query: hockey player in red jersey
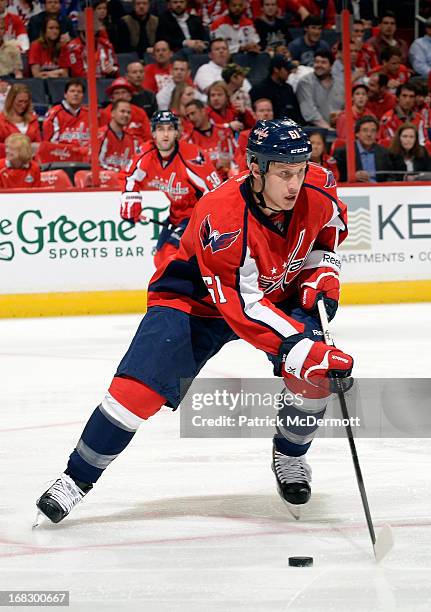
x=258, y=253
x=179, y=169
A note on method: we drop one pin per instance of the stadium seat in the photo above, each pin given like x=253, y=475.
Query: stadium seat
x=196, y=60
x=258, y=64
x=108, y=179
x=56, y=179
x=126, y=58
x=52, y=152
x=70, y=168
x=55, y=89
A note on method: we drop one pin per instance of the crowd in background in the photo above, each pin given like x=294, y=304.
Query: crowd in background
x=219, y=65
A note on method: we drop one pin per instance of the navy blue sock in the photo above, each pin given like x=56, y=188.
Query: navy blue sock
x=282, y=445
x=101, y=442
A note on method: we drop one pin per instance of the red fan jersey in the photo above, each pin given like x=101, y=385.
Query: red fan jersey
x=217, y=143
x=240, y=152
x=7, y=127
x=184, y=177
x=42, y=56
x=156, y=77
x=73, y=56
x=235, y=262
x=66, y=125
x=19, y=178
x=139, y=125
x=16, y=30
x=116, y=151
x=230, y=114
x=392, y=120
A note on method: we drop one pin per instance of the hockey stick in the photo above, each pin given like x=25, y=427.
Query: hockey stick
x=384, y=541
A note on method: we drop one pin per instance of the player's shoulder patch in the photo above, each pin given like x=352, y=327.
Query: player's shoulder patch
x=213, y=238
x=320, y=176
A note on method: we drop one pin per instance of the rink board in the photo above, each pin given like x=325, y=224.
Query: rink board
x=71, y=253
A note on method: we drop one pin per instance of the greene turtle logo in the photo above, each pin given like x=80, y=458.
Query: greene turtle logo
x=7, y=251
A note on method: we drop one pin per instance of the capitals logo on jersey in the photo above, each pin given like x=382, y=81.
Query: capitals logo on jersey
x=213, y=238
x=292, y=265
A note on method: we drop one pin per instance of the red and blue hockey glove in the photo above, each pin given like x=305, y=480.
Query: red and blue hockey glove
x=320, y=279
x=317, y=363
x=131, y=206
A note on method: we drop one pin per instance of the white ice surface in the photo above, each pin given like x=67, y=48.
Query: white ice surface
x=196, y=525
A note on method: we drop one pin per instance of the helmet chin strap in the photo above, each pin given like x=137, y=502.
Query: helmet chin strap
x=259, y=194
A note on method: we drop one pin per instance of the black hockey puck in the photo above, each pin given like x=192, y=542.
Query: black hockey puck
x=300, y=561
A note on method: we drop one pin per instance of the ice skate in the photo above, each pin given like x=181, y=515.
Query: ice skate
x=293, y=477
x=57, y=501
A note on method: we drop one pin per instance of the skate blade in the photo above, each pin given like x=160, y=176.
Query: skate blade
x=295, y=511
x=40, y=518
x=384, y=542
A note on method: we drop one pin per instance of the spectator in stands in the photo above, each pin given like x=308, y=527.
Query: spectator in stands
x=367, y=56
x=104, y=23
x=139, y=124
x=144, y=98
x=420, y=52
x=217, y=142
x=234, y=77
x=406, y=153
x=10, y=58
x=263, y=111
x=73, y=55
x=25, y=9
x=319, y=154
x=422, y=104
x=357, y=74
x=159, y=73
x=67, y=122
x=362, y=10
x=137, y=31
x=403, y=112
x=359, y=109
x=320, y=96
x=15, y=28
x=52, y=10
x=380, y=99
x=222, y=112
x=272, y=30
x=117, y=146
x=373, y=163
x=18, y=115
x=44, y=53
x=325, y=10
x=275, y=88
x=182, y=30
x=396, y=72
x=304, y=47
x=180, y=74
x=181, y=96
x=386, y=37
x=211, y=72
x=18, y=170
x=237, y=29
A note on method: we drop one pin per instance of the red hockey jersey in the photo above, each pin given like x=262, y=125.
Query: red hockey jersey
x=234, y=262
x=218, y=143
x=63, y=124
x=184, y=177
x=19, y=178
x=73, y=56
x=116, y=153
x=391, y=121
x=7, y=127
x=139, y=125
